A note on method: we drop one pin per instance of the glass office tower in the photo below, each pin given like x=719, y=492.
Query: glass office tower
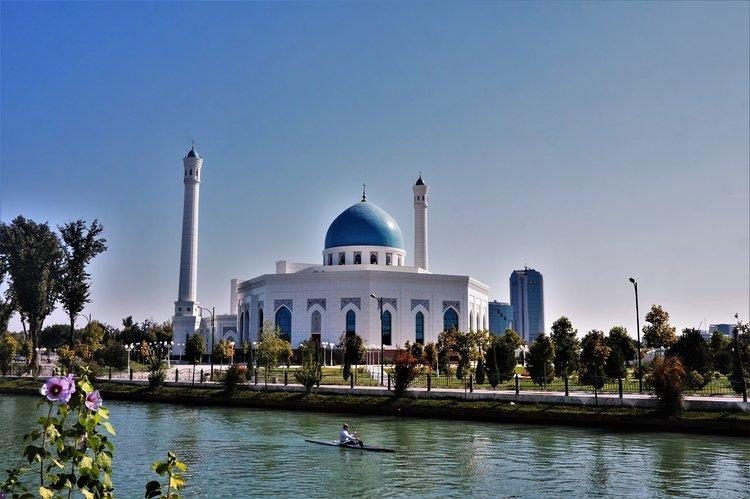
x=527, y=300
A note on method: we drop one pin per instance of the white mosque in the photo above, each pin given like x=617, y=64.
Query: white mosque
x=363, y=268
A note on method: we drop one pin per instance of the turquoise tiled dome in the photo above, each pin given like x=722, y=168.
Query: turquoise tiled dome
x=364, y=224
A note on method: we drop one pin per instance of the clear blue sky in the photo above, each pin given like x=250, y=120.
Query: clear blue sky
x=592, y=141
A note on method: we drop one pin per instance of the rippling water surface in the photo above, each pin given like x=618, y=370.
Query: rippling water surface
x=242, y=452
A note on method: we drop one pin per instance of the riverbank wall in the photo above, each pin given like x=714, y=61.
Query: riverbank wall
x=460, y=406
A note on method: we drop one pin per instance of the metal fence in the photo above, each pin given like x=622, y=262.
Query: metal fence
x=360, y=377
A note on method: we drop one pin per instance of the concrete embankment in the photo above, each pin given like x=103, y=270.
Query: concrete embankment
x=577, y=410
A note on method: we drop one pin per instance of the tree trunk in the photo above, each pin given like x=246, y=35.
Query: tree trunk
x=72, y=330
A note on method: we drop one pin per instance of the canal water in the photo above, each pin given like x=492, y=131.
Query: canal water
x=235, y=452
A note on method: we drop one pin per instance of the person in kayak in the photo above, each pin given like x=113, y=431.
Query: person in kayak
x=346, y=438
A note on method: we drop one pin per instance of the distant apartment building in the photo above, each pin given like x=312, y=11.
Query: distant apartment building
x=722, y=328
x=527, y=300
x=501, y=317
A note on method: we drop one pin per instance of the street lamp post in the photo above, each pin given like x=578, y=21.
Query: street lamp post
x=129, y=348
x=252, y=353
x=213, y=330
x=638, y=331
x=380, y=309
x=231, y=357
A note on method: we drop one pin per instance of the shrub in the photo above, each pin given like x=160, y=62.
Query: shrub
x=667, y=382
x=539, y=362
x=480, y=372
x=114, y=355
x=235, y=375
x=405, y=371
x=695, y=381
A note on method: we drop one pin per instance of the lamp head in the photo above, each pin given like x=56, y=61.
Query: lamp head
x=373, y=296
x=632, y=280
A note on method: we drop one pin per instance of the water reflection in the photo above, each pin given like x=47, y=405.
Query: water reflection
x=234, y=452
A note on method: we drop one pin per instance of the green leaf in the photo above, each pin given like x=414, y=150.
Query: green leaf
x=87, y=494
x=86, y=386
x=103, y=412
x=58, y=463
x=181, y=466
x=46, y=493
x=86, y=462
x=108, y=426
x=176, y=482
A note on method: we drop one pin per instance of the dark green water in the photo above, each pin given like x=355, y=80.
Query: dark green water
x=245, y=452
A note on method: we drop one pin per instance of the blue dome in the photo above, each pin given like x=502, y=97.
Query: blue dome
x=364, y=224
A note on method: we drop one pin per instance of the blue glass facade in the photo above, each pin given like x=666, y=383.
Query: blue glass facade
x=501, y=317
x=527, y=300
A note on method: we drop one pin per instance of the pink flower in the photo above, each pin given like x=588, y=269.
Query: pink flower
x=93, y=401
x=59, y=390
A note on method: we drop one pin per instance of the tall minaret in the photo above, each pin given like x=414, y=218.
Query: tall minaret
x=420, y=223
x=186, y=317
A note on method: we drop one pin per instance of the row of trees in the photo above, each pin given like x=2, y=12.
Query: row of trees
x=43, y=269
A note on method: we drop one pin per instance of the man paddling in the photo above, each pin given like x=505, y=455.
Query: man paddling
x=346, y=438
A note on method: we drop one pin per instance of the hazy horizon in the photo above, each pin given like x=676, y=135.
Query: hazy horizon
x=590, y=141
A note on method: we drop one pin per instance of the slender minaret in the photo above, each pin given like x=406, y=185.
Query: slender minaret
x=420, y=223
x=186, y=314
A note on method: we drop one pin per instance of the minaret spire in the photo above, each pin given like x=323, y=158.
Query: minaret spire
x=364, y=192
x=420, y=223
x=186, y=318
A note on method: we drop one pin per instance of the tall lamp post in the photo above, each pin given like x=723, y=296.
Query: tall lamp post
x=380, y=309
x=129, y=348
x=213, y=330
x=638, y=331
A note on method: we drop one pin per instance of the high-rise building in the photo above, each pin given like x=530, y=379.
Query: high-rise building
x=501, y=317
x=527, y=300
x=186, y=318
x=722, y=328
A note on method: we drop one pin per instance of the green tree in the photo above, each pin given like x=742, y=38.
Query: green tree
x=566, y=346
x=431, y=356
x=194, y=350
x=310, y=372
x=221, y=351
x=594, y=354
x=658, y=333
x=80, y=244
x=270, y=348
x=696, y=357
x=740, y=374
x=354, y=350
x=113, y=354
x=501, y=358
x=9, y=347
x=447, y=345
x=7, y=307
x=623, y=349
x=540, y=360
x=30, y=254
x=512, y=338
x=721, y=352
x=54, y=336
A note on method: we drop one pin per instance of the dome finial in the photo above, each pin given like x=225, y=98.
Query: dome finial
x=419, y=180
x=192, y=153
x=364, y=193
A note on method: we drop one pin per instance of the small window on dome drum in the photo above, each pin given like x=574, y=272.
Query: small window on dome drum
x=330, y=259
x=373, y=258
x=357, y=258
x=342, y=258
x=388, y=258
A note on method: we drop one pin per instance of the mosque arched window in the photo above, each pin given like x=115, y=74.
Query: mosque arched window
x=357, y=258
x=342, y=258
x=351, y=323
x=386, y=328
x=315, y=322
x=450, y=320
x=260, y=320
x=284, y=323
x=419, y=328
x=373, y=258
